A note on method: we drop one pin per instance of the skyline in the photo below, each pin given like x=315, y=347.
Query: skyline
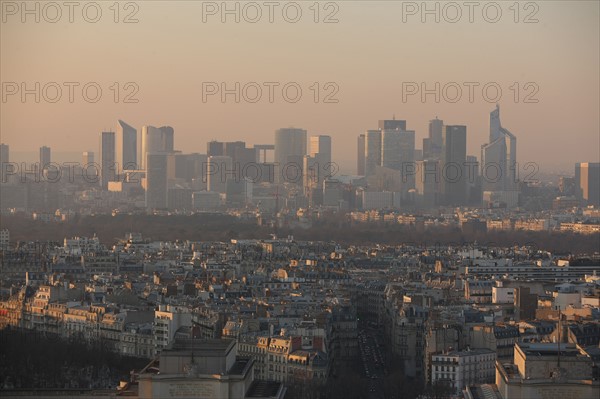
x=559, y=54
x=346, y=166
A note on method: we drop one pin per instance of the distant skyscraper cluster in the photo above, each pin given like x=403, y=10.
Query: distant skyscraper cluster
x=297, y=170
x=441, y=173
x=229, y=170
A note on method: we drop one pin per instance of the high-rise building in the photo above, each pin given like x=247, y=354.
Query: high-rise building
x=4, y=153
x=215, y=148
x=360, y=164
x=107, y=158
x=290, y=148
x=398, y=153
x=316, y=166
x=88, y=166
x=588, y=182
x=499, y=157
x=321, y=145
x=392, y=124
x=427, y=182
x=426, y=148
x=45, y=157
x=168, y=137
x=372, y=151
x=189, y=167
x=126, y=147
x=231, y=148
x=156, y=139
x=219, y=169
x=454, y=157
x=432, y=145
x=87, y=158
x=397, y=148
x=472, y=168
x=156, y=180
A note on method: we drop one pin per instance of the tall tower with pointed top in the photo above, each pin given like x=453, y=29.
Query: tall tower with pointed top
x=499, y=158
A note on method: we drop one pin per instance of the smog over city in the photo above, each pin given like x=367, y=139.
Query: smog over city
x=300, y=199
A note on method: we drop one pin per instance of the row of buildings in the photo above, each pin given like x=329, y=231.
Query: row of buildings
x=285, y=315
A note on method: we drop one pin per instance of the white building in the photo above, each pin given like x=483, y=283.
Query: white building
x=460, y=369
x=503, y=294
x=81, y=245
x=167, y=320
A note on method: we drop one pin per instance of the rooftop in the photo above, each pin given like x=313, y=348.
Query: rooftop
x=203, y=347
x=549, y=349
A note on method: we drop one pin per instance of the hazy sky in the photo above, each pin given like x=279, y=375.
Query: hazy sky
x=368, y=54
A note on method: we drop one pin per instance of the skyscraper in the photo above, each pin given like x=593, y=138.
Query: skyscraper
x=499, y=157
x=290, y=148
x=45, y=157
x=156, y=180
x=107, y=156
x=392, y=124
x=168, y=137
x=397, y=147
x=214, y=148
x=372, y=151
x=88, y=166
x=189, y=167
x=360, y=158
x=432, y=145
x=219, y=169
x=321, y=145
x=316, y=166
x=87, y=158
x=588, y=182
x=155, y=140
x=427, y=182
x=454, y=157
x=231, y=148
x=126, y=147
x=472, y=168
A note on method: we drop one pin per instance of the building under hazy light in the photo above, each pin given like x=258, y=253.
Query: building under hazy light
x=290, y=149
x=126, y=147
x=156, y=139
x=499, y=160
x=107, y=158
x=454, y=158
x=45, y=157
x=587, y=181
x=156, y=180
